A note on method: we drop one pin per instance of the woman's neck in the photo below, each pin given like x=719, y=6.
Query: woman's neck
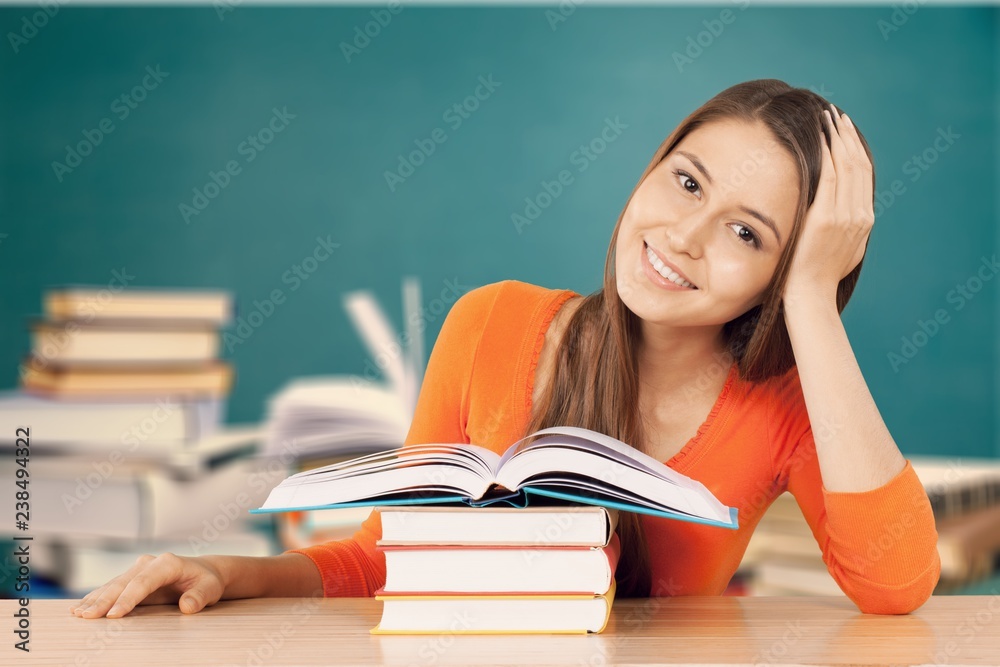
x=673, y=362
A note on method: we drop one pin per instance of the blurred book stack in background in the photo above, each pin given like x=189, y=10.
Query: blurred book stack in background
x=783, y=558
x=124, y=397
x=318, y=421
x=497, y=570
x=94, y=343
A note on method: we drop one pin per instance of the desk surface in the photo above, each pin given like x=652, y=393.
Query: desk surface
x=953, y=630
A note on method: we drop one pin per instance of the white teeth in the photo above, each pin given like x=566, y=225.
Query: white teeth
x=662, y=269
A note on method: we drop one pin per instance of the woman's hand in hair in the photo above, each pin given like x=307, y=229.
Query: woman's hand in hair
x=837, y=226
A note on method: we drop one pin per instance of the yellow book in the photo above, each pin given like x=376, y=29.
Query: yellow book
x=494, y=614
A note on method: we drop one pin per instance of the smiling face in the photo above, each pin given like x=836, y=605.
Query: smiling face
x=716, y=214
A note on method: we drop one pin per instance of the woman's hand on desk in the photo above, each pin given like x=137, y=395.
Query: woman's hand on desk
x=193, y=583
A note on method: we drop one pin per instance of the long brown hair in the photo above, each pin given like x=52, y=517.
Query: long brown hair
x=595, y=380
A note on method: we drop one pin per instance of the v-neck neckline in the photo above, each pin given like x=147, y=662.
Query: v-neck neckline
x=699, y=443
x=706, y=432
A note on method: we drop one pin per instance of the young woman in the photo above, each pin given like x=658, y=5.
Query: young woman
x=715, y=345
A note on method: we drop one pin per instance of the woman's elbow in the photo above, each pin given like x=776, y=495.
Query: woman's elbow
x=905, y=599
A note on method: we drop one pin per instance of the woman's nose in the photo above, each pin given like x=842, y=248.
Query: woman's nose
x=685, y=235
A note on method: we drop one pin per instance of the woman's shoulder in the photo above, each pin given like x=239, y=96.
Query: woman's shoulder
x=507, y=297
x=518, y=289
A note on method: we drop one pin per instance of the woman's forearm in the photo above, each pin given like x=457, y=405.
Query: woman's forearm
x=854, y=448
x=285, y=575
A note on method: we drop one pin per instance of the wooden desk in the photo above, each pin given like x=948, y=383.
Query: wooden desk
x=954, y=630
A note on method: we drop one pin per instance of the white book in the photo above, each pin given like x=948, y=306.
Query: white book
x=134, y=499
x=570, y=525
x=86, y=425
x=498, y=569
x=496, y=614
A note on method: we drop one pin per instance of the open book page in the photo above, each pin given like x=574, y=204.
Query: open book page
x=476, y=458
x=576, y=458
x=423, y=469
x=599, y=442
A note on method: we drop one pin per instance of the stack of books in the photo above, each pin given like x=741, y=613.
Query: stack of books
x=965, y=498
x=123, y=401
x=472, y=570
x=154, y=343
x=783, y=558
x=466, y=565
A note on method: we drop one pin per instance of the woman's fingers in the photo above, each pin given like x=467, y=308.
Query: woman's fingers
x=865, y=181
x=852, y=211
x=826, y=190
x=846, y=171
x=860, y=215
x=155, y=580
x=166, y=569
x=104, y=596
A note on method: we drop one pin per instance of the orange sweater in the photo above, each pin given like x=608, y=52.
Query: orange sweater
x=879, y=545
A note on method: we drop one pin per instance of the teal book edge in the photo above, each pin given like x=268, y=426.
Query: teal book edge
x=518, y=499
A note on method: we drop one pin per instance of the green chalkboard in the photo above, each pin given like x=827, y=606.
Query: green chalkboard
x=227, y=144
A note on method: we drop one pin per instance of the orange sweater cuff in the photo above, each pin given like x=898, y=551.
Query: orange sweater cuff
x=339, y=567
x=886, y=535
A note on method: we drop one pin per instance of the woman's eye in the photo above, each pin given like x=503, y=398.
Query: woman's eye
x=745, y=234
x=685, y=179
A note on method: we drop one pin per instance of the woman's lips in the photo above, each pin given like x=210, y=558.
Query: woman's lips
x=655, y=276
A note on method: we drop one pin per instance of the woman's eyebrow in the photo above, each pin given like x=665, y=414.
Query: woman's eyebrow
x=698, y=164
x=746, y=209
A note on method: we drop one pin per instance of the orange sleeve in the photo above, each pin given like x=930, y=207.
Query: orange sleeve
x=879, y=545
x=353, y=567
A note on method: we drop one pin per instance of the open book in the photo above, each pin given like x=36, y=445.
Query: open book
x=562, y=463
